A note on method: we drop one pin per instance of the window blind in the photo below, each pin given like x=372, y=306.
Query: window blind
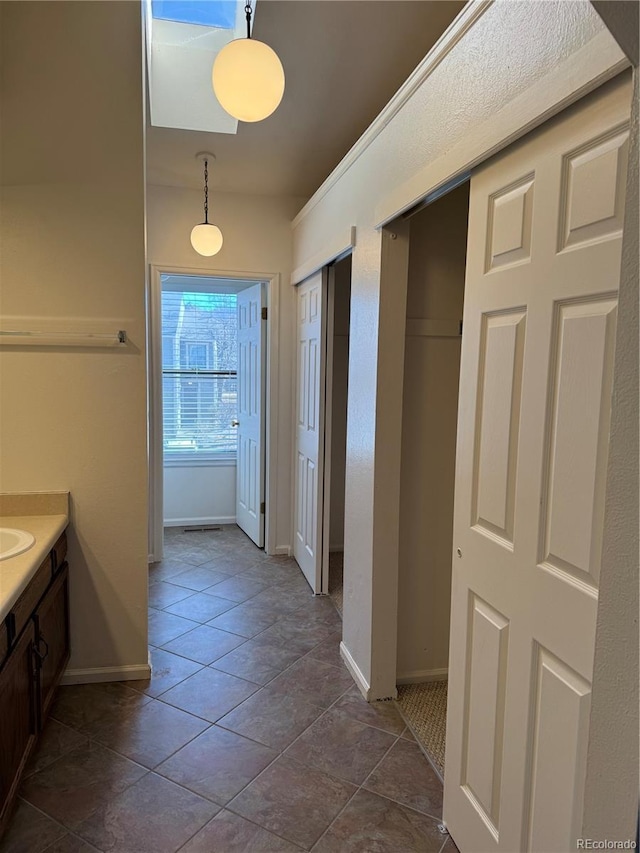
x=199, y=381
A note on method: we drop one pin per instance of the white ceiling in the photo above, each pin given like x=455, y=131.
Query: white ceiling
x=343, y=61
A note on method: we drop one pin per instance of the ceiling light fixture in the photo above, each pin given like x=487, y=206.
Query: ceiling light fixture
x=248, y=78
x=206, y=238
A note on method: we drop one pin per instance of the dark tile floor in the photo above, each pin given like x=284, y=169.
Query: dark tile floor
x=250, y=735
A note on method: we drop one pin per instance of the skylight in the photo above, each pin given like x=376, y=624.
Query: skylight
x=214, y=13
x=184, y=37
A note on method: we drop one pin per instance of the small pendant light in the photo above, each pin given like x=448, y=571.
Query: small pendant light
x=248, y=78
x=206, y=238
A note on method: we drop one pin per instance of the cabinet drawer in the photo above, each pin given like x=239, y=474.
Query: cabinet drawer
x=59, y=552
x=28, y=601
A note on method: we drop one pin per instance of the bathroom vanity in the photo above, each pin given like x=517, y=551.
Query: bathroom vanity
x=34, y=634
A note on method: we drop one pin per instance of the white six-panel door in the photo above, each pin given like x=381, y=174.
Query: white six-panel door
x=309, y=448
x=543, y=266
x=251, y=409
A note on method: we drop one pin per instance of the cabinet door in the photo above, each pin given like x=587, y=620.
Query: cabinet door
x=18, y=724
x=52, y=639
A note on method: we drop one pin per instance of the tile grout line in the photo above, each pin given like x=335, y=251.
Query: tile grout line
x=207, y=623
x=252, y=683
x=246, y=640
x=422, y=748
x=74, y=831
x=242, y=817
x=300, y=735
x=154, y=771
x=391, y=799
x=202, y=666
x=359, y=788
x=65, y=829
x=148, y=770
x=280, y=752
x=301, y=764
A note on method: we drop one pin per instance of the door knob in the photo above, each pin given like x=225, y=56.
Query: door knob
x=235, y=423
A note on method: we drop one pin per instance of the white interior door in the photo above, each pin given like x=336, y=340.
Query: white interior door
x=309, y=449
x=543, y=262
x=251, y=411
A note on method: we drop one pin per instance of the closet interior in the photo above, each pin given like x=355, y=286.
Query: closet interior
x=339, y=302
x=435, y=296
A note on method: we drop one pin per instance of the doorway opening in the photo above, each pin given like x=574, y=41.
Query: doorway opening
x=208, y=398
x=435, y=296
x=339, y=311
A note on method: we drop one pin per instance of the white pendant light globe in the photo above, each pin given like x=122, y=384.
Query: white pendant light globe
x=248, y=79
x=206, y=239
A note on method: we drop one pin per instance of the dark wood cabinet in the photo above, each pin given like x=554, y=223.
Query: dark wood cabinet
x=51, y=622
x=34, y=650
x=18, y=717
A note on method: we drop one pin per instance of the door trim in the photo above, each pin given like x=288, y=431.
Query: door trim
x=154, y=390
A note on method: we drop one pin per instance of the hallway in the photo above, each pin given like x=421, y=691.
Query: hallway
x=250, y=735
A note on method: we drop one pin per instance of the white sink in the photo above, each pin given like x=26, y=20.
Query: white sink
x=13, y=542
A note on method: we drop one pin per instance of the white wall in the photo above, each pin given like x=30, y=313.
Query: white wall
x=488, y=86
x=257, y=241
x=437, y=251
x=72, y=258
x=199, y=494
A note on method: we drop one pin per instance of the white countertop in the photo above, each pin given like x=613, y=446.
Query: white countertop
x=49, y=519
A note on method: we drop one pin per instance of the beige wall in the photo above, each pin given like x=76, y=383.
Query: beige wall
x=437, y=250
x=72, y=258
x=257, y=241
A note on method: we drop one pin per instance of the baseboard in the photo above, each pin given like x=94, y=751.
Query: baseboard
x=418, y=676
x=191, y=522
x=282, y=551
x=133, y=672
x=356, y=673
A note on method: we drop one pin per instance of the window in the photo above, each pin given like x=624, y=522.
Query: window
x=196, y=355
x=199, y=381
x=215, y=13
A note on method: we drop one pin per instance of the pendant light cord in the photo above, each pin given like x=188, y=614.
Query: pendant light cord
x=206, y=193
x=247, y=10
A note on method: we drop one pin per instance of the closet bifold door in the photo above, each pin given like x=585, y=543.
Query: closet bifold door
x=543, y=266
